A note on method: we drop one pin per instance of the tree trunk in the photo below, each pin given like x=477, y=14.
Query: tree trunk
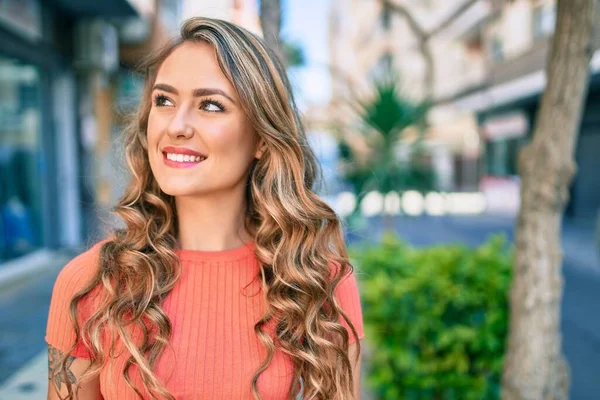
x=534, y=366
x=270, y=21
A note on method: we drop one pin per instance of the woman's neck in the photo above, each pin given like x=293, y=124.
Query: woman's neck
x=211, y=225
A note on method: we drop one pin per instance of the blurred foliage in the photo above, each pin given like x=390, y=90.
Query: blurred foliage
x=384, y=117
x=293, y=54
x=436, y=318
x=388, y=112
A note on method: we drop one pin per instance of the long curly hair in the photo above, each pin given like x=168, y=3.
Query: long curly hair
x=298, y=238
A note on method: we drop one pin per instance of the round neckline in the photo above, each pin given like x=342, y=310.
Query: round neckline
x=236, y=253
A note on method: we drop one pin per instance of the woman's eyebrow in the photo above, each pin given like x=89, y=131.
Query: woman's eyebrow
x=196, y=92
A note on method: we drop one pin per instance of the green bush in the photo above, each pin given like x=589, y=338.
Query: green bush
x=436, y=318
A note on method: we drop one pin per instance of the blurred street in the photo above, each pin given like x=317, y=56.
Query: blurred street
x=23, y=316
x=23, y=308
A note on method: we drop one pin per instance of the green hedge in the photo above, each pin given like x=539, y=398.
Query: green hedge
x=436, y=318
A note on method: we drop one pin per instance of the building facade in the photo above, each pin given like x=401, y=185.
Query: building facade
x=515, y=41
x=59, y=65
x=488, y=68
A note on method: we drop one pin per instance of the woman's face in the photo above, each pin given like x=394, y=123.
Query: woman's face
x=196, y=113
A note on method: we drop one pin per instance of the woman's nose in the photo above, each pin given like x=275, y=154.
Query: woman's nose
x=180, y=126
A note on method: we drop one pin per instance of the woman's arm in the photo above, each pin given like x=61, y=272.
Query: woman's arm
x=88, y=390
x=352, y=350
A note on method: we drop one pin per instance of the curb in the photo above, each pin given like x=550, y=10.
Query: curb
x=29, y=382
x=24, y=267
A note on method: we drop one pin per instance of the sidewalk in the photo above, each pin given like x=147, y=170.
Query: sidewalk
x=25, y=288
x=580, y=245
x=30, y=382
x=22, y=268
x=578, y=236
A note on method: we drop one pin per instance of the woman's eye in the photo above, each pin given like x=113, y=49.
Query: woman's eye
x=212, y=106
x=206, y=105
x=161, y=101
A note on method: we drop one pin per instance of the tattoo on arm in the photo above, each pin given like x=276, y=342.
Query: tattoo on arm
x=54, y=356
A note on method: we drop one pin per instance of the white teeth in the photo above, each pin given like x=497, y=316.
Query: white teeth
x=184, y=158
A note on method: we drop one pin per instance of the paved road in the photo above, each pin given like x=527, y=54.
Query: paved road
x=581, y=330
x=23, y=316
x=23, y=309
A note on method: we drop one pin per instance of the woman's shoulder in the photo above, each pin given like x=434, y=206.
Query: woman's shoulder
x=72, y=278
x=80, y=269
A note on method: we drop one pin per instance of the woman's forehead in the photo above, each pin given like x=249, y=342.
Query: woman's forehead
x=192, y=65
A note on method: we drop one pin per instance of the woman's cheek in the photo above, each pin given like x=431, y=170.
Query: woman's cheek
x=151, y=129
x=219, y=137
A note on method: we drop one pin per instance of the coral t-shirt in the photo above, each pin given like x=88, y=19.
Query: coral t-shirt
x=213, y=351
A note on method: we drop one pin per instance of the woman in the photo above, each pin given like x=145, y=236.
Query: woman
x=231, y=279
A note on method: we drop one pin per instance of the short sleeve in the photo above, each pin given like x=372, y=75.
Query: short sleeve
x=348, y=296
x=73, y=277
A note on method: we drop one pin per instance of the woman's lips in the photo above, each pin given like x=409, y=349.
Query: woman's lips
x=180, y=164
x=182, y=150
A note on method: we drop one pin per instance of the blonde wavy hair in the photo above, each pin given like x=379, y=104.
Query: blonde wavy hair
x=298, y=238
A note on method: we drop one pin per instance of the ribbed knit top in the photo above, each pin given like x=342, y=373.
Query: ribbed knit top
x=214, y=351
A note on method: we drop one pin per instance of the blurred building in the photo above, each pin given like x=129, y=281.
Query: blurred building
x=488, y=73
x=367, y=38
x=241, y=12
x=60, y=65
x=514, y=40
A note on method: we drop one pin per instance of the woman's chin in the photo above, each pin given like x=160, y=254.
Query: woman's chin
x=180, y=191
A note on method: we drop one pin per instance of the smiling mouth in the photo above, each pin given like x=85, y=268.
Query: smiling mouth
x=182, y=160
x=183, y=157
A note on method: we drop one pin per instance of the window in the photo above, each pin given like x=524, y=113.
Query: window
x=20, y=159
x=502, y=155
